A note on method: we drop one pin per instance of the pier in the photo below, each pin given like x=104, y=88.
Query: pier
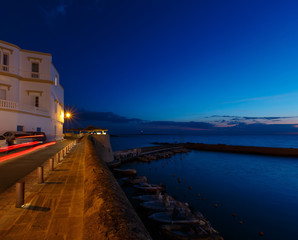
x=132, y=154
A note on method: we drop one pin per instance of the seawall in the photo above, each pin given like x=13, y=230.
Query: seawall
x=103, y=147
x=282, y=152
x=108, y=212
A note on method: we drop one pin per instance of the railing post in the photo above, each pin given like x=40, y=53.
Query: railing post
x=51, y=164
x=40, y=174
x=20, y=194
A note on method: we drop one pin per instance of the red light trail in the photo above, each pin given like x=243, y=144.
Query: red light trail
x=31, y=136
x=10, y=156
x=4, y=149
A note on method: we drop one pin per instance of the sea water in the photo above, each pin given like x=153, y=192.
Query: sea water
x=261, y=190
x=122, y=142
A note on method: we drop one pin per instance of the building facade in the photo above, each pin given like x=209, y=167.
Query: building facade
x=31, y=96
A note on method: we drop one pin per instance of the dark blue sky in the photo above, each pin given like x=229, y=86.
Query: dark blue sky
x=158, y=64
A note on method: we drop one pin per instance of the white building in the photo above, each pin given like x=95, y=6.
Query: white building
x=31, y=97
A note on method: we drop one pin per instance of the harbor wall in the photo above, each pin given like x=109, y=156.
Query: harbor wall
x=103, y=147
x=108, y=212
x=281, y=152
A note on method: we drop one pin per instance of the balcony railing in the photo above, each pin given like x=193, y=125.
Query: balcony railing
x=4, y=68
x=8, y=104
x=35, y=75
x=5, y=104
x=25, y=74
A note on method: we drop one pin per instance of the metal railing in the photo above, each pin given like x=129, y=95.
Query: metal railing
x=5, y=104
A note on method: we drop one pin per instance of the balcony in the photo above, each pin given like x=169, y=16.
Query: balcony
x=25, y=74
x=4, y=104
x=4, y=68
x=34, y=75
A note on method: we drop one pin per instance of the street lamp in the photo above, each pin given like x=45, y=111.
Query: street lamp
x=67, y=118
x=68, y=115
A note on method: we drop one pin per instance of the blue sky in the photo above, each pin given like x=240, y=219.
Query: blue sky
x=162, y=65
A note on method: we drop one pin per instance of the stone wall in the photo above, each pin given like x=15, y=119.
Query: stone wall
x=108, y=212
x=103, y=147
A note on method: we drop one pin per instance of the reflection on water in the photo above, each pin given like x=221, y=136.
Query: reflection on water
x=261, y=191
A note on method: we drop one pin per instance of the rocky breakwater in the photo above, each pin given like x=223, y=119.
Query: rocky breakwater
x=108, y=212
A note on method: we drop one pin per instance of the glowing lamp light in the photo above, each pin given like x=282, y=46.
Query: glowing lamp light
x=68, y=115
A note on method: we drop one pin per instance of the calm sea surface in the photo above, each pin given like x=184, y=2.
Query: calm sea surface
x=131, y=141
x=262, y=191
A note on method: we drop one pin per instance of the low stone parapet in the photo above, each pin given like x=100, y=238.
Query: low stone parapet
x=108, y=213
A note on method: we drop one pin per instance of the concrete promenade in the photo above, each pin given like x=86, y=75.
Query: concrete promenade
x=79, y=199
x=53, y=209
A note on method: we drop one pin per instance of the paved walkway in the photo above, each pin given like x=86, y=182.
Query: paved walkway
x=53, y=210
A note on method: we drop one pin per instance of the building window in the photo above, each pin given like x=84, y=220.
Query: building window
x=36, y=102
x=56, y=81
x=2, y=94
x=5, y=62
x=20, y=128
x=35, y=70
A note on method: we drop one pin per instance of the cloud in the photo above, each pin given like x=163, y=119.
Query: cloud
x=266, y=118
x=61, y=9
x=231, y=123
x=243, y=118
x=55, y=9
x=270, y=98
x=222, y=125
x=173, y=124
x=92, y=116
x=52, y=9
